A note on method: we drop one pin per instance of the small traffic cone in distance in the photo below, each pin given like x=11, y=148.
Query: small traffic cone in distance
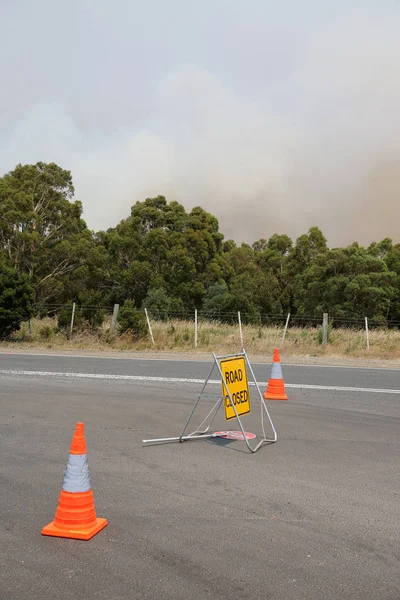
x=76, y=514
x=276, y=386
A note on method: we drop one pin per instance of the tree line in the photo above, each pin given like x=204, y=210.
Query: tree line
x=172, y=261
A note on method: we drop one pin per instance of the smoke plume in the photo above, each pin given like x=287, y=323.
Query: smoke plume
x=323, y=149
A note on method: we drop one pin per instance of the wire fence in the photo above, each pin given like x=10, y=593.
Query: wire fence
x=231, y=317
x=74, y=317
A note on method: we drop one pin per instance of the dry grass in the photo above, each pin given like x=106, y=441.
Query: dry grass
x=178, y=336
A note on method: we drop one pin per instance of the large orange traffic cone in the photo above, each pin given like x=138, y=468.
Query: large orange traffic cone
x=276, y=386
x=76, y=515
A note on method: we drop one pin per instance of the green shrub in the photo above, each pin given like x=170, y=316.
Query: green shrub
x=64, y=319
x=131, y=320
x=95, y=317
x=159, y=303
x=89, y=302
x=16, y=299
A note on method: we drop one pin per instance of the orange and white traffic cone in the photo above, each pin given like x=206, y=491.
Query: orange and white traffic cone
x=276, y=386
x=76, y=514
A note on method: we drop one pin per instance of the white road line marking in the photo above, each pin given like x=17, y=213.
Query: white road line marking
x=177, y=358
x=149, y=378
x=103, y=376
x=340, y=388
x=322, y=366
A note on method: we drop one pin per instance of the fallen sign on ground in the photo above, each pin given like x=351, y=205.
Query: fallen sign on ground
x=235, y=396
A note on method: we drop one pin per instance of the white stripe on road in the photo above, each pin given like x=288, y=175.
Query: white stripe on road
x=103, y=376
x=198, y=360
x=148, y=378
x=341, y=389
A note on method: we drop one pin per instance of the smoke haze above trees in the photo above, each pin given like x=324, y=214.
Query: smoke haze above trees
x=275, y=119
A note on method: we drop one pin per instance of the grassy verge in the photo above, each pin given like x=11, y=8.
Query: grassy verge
x=178, y=336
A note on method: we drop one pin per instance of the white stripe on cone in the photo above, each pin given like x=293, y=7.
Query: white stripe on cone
x=276, y=371
x=76, y=477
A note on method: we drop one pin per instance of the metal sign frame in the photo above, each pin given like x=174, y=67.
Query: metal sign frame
x=202, y=432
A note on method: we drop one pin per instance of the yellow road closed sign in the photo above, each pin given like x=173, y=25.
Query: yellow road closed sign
x=235, y=380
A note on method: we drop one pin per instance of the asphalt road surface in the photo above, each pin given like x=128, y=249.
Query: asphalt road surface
x=315, y=516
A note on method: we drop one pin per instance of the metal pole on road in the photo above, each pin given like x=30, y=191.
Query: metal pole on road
x=195, y=328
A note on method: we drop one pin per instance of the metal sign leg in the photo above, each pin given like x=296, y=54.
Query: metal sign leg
x=196, y=403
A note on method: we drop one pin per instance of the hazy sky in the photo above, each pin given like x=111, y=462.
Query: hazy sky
x=275, y=116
